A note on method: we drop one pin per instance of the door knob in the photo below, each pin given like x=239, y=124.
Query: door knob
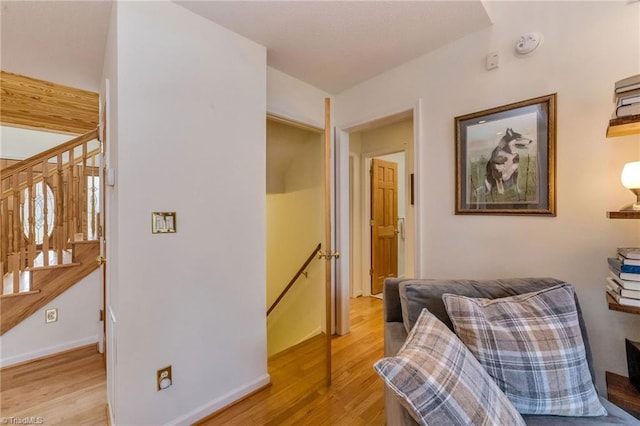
x=100, y=260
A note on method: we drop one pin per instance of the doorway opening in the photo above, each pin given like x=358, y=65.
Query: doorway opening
x=382, y=220
x=296, y=277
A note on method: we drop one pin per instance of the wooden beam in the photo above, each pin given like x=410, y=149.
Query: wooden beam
x=38, y=104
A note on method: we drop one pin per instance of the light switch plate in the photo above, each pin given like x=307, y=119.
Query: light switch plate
x=493, y=60
x=163, y=222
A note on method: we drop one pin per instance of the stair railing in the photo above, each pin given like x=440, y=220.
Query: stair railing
x=46, y=202
x=295, y=278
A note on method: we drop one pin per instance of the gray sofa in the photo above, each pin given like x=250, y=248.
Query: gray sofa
x=403, y=302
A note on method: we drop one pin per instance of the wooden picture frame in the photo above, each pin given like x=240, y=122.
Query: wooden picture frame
x=506, y=159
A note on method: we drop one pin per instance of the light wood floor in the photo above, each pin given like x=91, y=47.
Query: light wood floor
x=70, y=389
x=297, y=395
x=67, y=389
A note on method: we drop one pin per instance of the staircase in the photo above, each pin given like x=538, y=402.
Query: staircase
x=49, y=225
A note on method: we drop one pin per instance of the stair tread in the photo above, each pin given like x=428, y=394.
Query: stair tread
x=54, y=266
x=22, y=293
x=84, y=242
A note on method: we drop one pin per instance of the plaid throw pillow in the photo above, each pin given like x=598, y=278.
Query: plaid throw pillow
x=532, y=347
x=440, y=382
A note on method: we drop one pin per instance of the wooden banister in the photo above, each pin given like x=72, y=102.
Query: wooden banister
x=44, y=155
x=49, y=172
x=54, y=184
x=295, y=278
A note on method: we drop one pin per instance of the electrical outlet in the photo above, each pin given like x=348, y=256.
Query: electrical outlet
x=163, y=378
x=51, y=315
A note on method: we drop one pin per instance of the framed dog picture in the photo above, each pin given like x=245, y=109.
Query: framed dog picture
x=505, y=159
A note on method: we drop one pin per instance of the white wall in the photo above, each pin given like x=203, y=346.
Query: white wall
x=17, y=143
x=191, y=104
x=77, y=325
x=294, y=99
x=587, y=47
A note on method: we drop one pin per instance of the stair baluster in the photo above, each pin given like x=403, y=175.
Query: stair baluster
x=45, y=212
x=31, y=218
x=58, y=230
x=15, y=267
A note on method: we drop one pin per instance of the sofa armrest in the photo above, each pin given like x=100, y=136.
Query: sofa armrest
x=391, y=300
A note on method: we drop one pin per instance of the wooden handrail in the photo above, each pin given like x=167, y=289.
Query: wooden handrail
x=295, y=278
x=31, y=161
x=49, y=173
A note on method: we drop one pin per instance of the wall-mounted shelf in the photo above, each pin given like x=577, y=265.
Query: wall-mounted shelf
x=615, y=306
x=624, y=126
x=624, y=214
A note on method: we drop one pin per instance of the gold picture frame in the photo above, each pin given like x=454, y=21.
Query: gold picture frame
x=506, y=159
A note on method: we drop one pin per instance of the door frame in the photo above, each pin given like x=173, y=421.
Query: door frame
x=326, y=131
x=103, y=112
x=343, y=285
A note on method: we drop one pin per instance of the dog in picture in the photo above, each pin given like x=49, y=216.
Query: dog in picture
x=502, y=167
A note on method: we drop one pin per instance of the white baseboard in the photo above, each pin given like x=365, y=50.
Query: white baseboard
x=47, y=351
x=112, y=418
x=219, y=403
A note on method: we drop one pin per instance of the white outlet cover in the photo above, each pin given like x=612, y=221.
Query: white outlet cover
x=51, y=315
x=528, y=43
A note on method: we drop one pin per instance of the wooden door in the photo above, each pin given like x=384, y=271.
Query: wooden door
x=384, y=220
x=102, y=132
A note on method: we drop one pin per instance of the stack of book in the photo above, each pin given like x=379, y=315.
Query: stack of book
x=627, y=97
x=623, y=282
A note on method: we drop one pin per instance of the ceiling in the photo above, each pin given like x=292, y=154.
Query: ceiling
x=58, y=41
x=332, y=45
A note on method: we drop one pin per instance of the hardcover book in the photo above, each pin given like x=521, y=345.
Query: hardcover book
x=618, y=289
x=627, y=83
x=626, y=110
x=630, y=252
x=626, y=261
x=626, y=301
x=627, y=284
x=616, y=267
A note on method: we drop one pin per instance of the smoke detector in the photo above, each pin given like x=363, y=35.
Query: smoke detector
x=528, y=43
